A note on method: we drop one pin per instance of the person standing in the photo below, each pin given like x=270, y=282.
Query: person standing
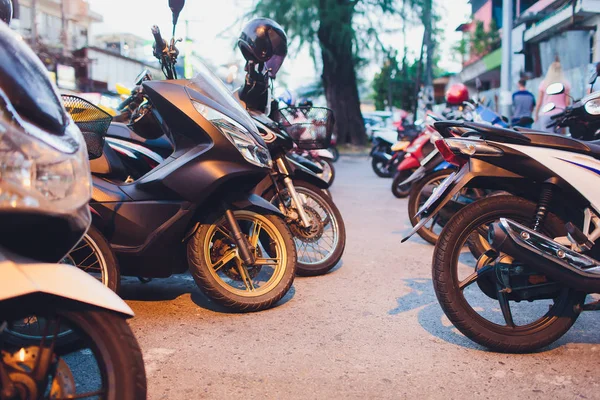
x=561, y=100
x=523, y=104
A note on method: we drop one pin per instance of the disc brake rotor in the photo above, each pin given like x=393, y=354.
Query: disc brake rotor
x=312, y=233
x=63, y=385
x=218, y=250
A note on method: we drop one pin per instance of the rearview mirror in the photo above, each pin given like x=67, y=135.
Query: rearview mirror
x=555, y=88
x=548, y=107
x=176, y=6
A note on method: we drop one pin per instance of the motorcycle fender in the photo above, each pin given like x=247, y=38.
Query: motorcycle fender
x=60, y=280
x=380, y=155
x=460, y=179
x=416, y=176
x=310, y=177
x=409, y=162
x=305, y=164
x=324, y=153
x=254, y=201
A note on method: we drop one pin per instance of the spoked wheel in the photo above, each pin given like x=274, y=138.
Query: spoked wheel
x=321, y=246
x=499, y=302
x=94, y=256
x=380, y=168
x=106, y=364
x=220, y=272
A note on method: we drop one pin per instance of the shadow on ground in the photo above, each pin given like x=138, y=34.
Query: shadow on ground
x=431, y=317
x=174, y=287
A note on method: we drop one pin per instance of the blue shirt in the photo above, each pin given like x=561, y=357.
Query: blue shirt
x=523, y=104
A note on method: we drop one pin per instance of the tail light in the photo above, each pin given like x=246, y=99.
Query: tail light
x=448, y=155
x=458, y=151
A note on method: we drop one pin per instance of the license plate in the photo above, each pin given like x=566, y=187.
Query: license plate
x=434, y=153
x=437, y=193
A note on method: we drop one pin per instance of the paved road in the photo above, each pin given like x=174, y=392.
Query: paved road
x=370, y=329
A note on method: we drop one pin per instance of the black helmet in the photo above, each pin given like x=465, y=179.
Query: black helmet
x=264, y=41
x=6, y=10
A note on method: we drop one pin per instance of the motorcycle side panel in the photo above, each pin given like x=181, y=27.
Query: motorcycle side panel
x=580, y=171
x=409, y=162
x=59, y=280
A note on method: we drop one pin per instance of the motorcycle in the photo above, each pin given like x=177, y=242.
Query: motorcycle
x=192, y=206
x=434, y=169
x=388, y=150
x=533, y=250
x=314, y=219
x=62, y=334
x=419, y=148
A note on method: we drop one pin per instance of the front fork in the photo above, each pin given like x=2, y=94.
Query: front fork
x=297, y=202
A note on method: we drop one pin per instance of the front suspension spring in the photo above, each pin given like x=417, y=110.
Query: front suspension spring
x=543, y=204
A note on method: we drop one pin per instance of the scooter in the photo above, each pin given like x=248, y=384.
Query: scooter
x=62, y=333
x=195, y=207
x=419, y=148
x=529, y=248
x=313, y=217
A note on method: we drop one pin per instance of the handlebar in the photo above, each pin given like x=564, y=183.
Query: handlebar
x=126, y=102
x=159, y=42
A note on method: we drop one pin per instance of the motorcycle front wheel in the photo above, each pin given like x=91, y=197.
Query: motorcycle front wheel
x=106, y=364
x=525, y=318
x=401, y=191
x=321, y=246
x=221, y=274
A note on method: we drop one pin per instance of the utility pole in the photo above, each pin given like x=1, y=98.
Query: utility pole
x=506, y=68
x=430, y=48
x=63, y=33
x=34, y=33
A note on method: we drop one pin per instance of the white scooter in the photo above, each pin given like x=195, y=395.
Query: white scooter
x=532, y=255
x=62, y=333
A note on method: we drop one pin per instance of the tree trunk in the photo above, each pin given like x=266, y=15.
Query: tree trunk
x=339, y=74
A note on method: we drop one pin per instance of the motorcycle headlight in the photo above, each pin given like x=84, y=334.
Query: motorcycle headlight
x=36, y=175
x=239, y=136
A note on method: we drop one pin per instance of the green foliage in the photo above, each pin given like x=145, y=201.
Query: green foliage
x=482, y=41
x=392, y=80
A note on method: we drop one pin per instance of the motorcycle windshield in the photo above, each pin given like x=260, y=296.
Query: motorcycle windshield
x=209, y=85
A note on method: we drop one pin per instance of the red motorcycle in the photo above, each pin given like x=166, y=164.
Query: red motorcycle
x=418, y=149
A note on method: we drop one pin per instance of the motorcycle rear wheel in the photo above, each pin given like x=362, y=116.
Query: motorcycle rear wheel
x=480, y=323
x=380, y=168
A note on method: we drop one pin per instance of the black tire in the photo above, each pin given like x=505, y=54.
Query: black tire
x=378, y=168
x=335, y=152
x=414, y=200
x=401, y=191
x=198, y=260
x=314, y=269
x=108, y=336
x=526, y=338
x=111, y=274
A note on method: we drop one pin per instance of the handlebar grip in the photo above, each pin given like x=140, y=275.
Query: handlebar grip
x=126, y=103
x=160, y=43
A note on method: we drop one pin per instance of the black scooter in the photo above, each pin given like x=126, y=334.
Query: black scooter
x=314, y=219
x=195, y=206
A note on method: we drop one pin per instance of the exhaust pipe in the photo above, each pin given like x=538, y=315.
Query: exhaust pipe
x=558, y=262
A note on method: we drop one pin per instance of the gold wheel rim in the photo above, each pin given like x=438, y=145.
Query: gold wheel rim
x=261, y=232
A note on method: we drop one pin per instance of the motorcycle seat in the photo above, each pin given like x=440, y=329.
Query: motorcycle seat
x=527, y=137
x=122, y=131
x=109, y=165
